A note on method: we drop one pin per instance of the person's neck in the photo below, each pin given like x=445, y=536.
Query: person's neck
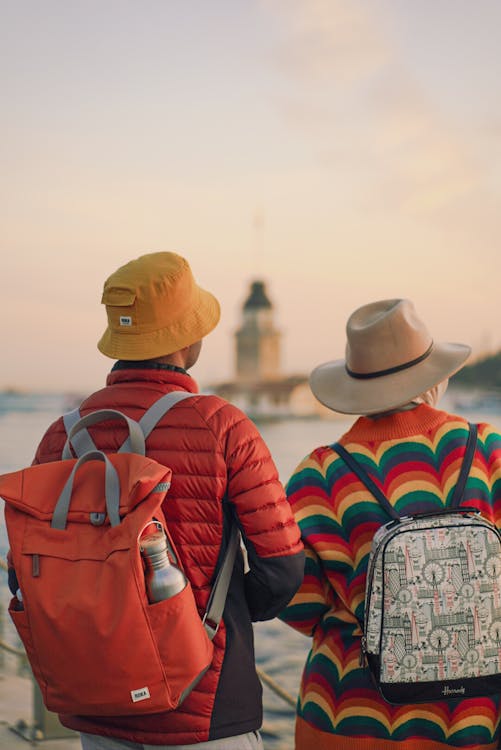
x=175, y=360
x=381, y=414
x=147, y=364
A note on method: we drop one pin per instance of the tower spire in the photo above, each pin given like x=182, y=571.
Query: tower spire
x=257, y=340
x=258, y=224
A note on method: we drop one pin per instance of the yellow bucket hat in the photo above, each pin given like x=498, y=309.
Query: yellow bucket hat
x=154, y=308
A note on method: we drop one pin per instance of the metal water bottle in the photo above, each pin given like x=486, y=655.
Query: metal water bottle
x=163, y=579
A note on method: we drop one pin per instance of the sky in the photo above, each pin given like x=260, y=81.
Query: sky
x=343, y=151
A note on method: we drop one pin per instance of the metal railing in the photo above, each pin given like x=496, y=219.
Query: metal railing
x=275, y=687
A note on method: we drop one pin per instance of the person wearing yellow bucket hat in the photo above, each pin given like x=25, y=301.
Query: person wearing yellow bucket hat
x=155, y=308
x=393, y=374
x=222, y=473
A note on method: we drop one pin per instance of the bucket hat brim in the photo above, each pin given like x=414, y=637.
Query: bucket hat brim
x=138, y=345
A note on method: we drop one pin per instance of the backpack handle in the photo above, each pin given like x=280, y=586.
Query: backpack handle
x=136, y=437
x=112, y=491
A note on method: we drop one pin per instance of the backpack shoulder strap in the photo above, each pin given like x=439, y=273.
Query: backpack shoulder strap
x=154, y=414
x=217, y=599
x=81, y=441
x=219, y=591
x=136, y=436
x=471, y=445
x=360, y=472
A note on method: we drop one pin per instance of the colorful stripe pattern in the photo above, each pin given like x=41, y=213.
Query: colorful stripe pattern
x=415, y=457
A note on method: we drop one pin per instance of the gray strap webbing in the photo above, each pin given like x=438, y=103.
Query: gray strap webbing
x=159, y=409
x=217, y=599
x=135, y=432
x=112, y=491
x=82, y=441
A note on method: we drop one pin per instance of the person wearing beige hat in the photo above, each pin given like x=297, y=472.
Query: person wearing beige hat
x=222, y=473
x=392, y=375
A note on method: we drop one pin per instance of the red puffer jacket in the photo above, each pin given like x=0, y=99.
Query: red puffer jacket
x=221, y=466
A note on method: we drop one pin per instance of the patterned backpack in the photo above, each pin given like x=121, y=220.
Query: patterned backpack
x=432, y=623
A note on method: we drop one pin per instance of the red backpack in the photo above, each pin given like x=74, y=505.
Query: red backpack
x=95, y=644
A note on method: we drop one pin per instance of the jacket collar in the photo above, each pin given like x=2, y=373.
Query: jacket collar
x=124, y=364
x=177, y=378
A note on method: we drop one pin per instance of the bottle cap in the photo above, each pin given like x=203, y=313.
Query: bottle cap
x=154, y=541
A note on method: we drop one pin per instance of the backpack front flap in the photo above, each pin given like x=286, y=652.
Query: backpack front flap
x=31, y=496
x=36, y=489
x=89, y=632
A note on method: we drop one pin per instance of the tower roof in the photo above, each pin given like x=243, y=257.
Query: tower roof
x=257, y=299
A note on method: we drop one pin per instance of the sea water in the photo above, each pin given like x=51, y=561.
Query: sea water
x=280, y=651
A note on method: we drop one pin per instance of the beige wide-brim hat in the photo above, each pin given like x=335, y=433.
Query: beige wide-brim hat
x=390, y=360
x=154, y=308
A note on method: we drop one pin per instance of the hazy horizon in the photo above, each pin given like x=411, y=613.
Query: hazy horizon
x=341, y=150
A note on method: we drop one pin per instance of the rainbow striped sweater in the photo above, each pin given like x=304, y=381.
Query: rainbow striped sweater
x=415, y=456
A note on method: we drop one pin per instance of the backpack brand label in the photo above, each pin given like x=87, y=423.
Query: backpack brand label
x=125, y=320
x=141, y=694
x=448, y=691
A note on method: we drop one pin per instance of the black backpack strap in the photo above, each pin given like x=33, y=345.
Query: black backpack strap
x=471, y=445
x=360, y=472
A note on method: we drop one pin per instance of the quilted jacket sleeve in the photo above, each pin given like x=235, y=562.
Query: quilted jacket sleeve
x=269, y=531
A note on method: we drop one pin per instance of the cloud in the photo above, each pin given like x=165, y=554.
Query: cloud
x=426, y=153
x=350, y=87
x=328, y=39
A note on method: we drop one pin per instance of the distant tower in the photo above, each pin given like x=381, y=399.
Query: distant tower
x=257, y=340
